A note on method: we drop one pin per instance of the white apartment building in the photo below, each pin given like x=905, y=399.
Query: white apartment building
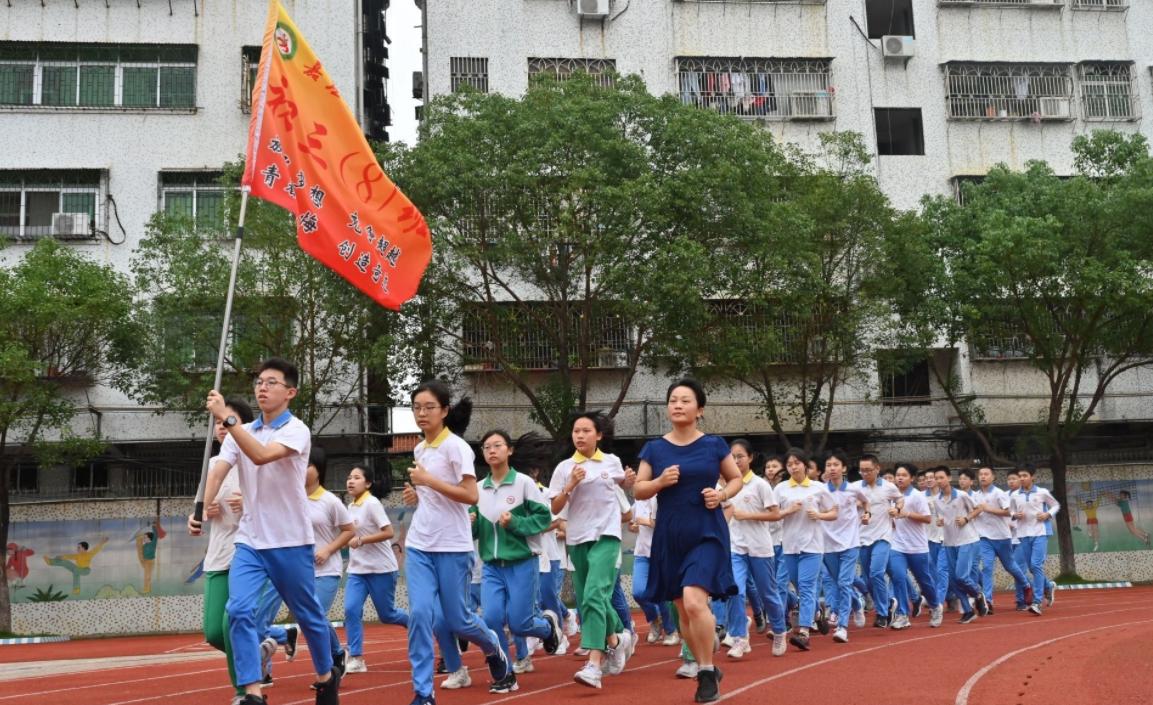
x=111, y=111
x=942, y=89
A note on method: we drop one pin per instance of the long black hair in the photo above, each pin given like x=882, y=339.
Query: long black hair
x=534, y=455
x=376, y=489
x=458, y=413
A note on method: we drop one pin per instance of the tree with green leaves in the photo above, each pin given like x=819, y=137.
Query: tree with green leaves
x=287, y=304
x=801, y=301
x=576, y=228
x=64, y=320
x=1054, y=272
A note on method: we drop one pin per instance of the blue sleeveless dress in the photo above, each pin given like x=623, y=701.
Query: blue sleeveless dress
x=690, y=542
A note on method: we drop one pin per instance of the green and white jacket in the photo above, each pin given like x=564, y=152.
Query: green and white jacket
x=519, y=495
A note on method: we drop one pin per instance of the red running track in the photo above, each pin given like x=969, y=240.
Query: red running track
x=1092, y=646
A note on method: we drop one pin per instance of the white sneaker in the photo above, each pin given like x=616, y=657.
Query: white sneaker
x=859, y=618
x=936, y=616
x=534, y=644
x=459, y=679
x=688, y=669
x=728, y=642
x=267, y=649
x=780, y=644
x=355, y=665
x=562, y=645
x=656, y=633
x=901, y=621
x=590, y=675
x=672, y=639
x=618, y=656
x=523, y=665
x=740, y=648
x=570, y=624
x=841, y=635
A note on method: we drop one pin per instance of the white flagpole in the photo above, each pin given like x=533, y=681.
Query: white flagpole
x=198, y=514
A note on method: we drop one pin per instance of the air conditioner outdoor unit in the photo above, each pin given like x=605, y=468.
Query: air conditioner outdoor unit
x=592, y=8
x=810, y=104
x=71, y=225
x=897, y=46
x=1054, y=108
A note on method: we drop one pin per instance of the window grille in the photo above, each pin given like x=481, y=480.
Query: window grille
x=77, y=76
x=517, y=337
x=1000, y=341
x=1010, y=3
x=1108, y=91
x=783, y=330
x=196, y=195
x=493, y=216
x=67, y=205
x=1009, y=91
x=468, y=71
x=603, y=71
x=798, y=89
x=249, y=65
x=1100, y=4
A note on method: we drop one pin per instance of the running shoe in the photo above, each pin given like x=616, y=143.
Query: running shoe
x=1050, y=594
x=671, y=639
x=708, y=682
x=918, y=605
x=618, y=655
x=423, y=700
x=291, y=635
x=328, y=692
x=249, y=699
x=981, y=604
x=899, y=622
x=441, y=668
x=936, y=616
x=741, y=648
x=823, y=620
x=267, y=649
x=688, y=669
x=523, y=665
x=504, y=685
x=967, y=618
x=1035, y=608
x=589, y=675
x=859, y=618
x=555, y=632
x=656, y=633
x=762, y=624
x=498, y=665
x=800, y=639
x=780, y=644
x=841, y=635
x=459, y=679
x=570, y=624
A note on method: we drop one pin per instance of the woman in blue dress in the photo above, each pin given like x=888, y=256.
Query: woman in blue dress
x=690, y=551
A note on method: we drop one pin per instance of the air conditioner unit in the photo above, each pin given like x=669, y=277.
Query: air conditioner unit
x=71, y=226
x=810, y=105
x=895, y=46
x=1054, y=108
x=592, y=8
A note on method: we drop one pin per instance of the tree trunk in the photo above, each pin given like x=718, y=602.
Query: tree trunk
x=1064, y=527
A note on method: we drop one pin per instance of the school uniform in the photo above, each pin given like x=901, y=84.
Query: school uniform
x=327, y=514
x=274, y=542
x=439, y=554
x=996, y=541
x=842, y=548
x=642, y=551
x=804, y=540
x=372, y=572
x=911, y=554
x=217, y=559
x=593, y=538
x=1033, y=533
x=960, y=544
x=510, y=555
x=551, y=572
x=876, y=538
x=751, y=542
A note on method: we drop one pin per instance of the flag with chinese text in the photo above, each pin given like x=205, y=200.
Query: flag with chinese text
x=306, y=153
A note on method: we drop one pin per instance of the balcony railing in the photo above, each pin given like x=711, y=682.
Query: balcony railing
x=1037, y=92
x=780, y=89
x=1029, y=4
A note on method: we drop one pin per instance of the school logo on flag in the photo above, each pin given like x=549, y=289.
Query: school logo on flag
x=307, y=154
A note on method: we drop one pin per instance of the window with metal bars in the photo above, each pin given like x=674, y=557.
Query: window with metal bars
x=780, y=331
x=1100, y=4
x=67, y=205
x=903, y=383
x=80, y=76
x=196, y=195
x=1036, y=92
x=249, y=64
x=513, y=333
x=468, y=71
x=492, y=216
x=797, y=89
x=603, y=71
x=1108, y=90
x=1000, y=340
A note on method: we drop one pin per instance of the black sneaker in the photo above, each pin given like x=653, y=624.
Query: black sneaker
x=504, y=685
x=498, y=665
x=440, y=667
x=291, y=635
x=967, y=618
x=823, y=621
x=708, y=685
x=759, y=621
x=881, y=622
x=918, y=605
x=328, y=692
x=267, y=681
x=800, y=640
x=419, y=699
x=982, y=605
x=552, y=641
x=892, y=607
x=250, y=699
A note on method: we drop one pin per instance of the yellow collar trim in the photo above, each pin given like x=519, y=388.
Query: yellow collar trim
x=318, y=493
x=579, y=457
x=804, y=483
x=362, y=498
x=440, y=438
x=748, y=477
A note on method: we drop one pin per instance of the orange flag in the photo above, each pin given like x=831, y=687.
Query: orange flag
x=306, y=153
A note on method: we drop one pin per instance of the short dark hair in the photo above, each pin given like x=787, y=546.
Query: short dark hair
x=871, y=458
x=1027, y=469
x=969, y=473
x=911, y=468
x=799, y=455
x=497, y=432
x=291, y=374
x=83, y=544
x=744, y=443
x=942, y=468
x=459, y=413
x=318, y=458
x=690, y=384
x=241, y=407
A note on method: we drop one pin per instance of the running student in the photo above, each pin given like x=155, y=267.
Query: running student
x=842, y=541
x=911, y=551
x=333, y=528
x=992, y=524
x=439, y=545
x=223, y=514
x=876, y=535
x=586, y=484
x=507, y=522
x=691, y=557
x=274, y=540
x=955, y=512
x=1034, y=506
x=662, y=625
x=372, y=565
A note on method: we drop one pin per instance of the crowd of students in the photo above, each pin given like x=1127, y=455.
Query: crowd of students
x=722, y=551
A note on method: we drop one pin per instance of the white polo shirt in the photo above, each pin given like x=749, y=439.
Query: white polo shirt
x=275, y=504
x=881, y=497
x=440, y=524
x=368, y=517
x=844, y=532
x=327, y=513
x=910, y=536
x=644, y=509
x=990, y=526
x=936, y=533
x=752, y=537
x=593, y=508
x=801, y=533
x=1036, y=501
x=949, y=508
x=222, y=529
